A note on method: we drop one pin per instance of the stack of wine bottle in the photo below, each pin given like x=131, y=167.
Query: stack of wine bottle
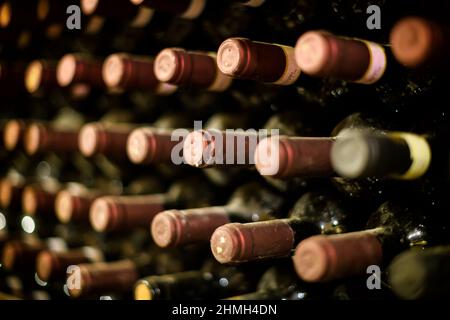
x=239, y=149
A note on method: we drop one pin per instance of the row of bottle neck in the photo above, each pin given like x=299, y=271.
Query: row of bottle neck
x=318, y=258
x=357, y=150
x=351, y=60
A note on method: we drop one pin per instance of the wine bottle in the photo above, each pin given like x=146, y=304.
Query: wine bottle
x=420, y=161
x=149, y=145
x=398, y=155
x=250, y=202
x=420, y=274
x=188, y=9
x=212, y=153
x=193, y=69
x=40, y=77
x=391, y=229
x=20, y=255
x=199, y=146
x=369, y=190
x=52, y=265
x=218, y=176
x=322, y=54
x=284, y=156
x=77, y=68
x=419, y=42
x=217, y=146
x=154, y=144
x=123, y=11
x=123, y=71
x=106, y=136
x=107, y=139
x=73, y=203
x=312, y=214
x=212, y=281
x=120, y=276
x=13, y=134
x=124, y=213
x=280, y=282
x=362, y=62
x=38, y=199
x=11, y=189
x=212, y=147
x=41, y=138
x=247, y=59
x=104, y=277
x=14, y=16
x=57, y=135
x=18, y=260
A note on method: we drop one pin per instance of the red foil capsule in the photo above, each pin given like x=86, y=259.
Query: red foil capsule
x=40, y=200
x=212, y=148
x=417, y=42
x=266, y=62
x=40, y=138
x=11, y=189
x=13, y=133
x=40, y=75
x=283, y=156
x=325, y=258
x=173, y=228
x=122, y=71
x=74, y=207
x=124, y=213
x=74, y=68
x=20, y=256
x=190, y=68
x=100, y=277
x=150, y=145
x=240, y=242
x=52, y=265
x=109, y=140
x=322, y=54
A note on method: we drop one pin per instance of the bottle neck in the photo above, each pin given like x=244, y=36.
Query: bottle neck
x=327, y=213
x=421, y=274
x=98, y=278
x=237, y=242
x=124, y=213
x=283, y=157
x=184, y=285
x=397, y=155
x=364, y=62
x=173, y=228
x=404, y=226
x=393, y=228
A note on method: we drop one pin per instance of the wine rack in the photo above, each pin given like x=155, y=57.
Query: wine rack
x=238, y=149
